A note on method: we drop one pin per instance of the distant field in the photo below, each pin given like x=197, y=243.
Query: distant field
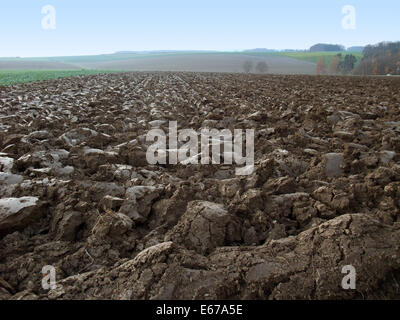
x=34, y=64
x=77, y=60
x=9, y=77
x=164, y=61
x=17, y=70
x=315, y=56
x=206, y=62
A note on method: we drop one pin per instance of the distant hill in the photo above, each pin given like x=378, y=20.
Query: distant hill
x=21, y=64
x=293, y=50
x=166, y=60
x=163, y=51
x=260, y=50
x=321, y=47
x=125, y=52
x=356, y=49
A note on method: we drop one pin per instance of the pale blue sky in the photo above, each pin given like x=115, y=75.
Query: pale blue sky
x=99, y=26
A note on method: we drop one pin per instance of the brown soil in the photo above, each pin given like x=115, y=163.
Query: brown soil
x=77, y=193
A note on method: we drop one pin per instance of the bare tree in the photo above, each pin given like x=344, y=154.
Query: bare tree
x=247, y=66
x=321, y=66
x=334, y=66
x=262, y=67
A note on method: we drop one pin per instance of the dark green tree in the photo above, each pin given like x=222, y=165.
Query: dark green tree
x=348, y=64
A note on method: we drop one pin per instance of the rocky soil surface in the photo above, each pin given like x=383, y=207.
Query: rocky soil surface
x=77, y=192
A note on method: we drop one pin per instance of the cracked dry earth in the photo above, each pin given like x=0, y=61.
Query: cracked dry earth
x=77, y=193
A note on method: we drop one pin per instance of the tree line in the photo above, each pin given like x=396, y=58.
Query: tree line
x=326, y=47
x=337, y=65
x=260, y=67
x=380, y=59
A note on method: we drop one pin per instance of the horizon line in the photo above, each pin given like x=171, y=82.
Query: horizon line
x=169, y=50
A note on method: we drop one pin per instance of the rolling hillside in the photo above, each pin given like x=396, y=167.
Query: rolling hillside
x=165, y=61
